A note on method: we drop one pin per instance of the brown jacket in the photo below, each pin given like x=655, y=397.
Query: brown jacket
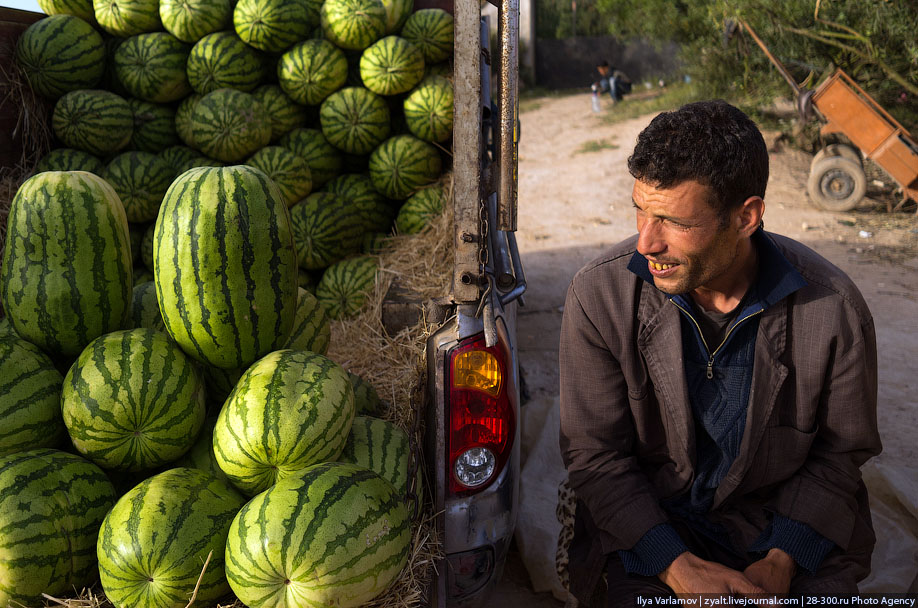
x=627, y=435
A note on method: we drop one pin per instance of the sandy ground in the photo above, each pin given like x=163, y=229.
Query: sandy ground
x=575, y=200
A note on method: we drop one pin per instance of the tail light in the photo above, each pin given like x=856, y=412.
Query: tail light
x=481, y=416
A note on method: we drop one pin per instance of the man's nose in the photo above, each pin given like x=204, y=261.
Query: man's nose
x=650, y=238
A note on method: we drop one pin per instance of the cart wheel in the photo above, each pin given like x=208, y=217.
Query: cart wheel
x=843, y=150
x=836, y=183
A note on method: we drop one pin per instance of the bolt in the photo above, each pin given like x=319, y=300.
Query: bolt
x=466, y=278
x=469, y=237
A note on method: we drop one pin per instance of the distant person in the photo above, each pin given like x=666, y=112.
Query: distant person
x=612, y=81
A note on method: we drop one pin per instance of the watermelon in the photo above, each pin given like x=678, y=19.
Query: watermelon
x=109, y=80
x=429, y=109
x=145, y=307
x=128, y=17
x=152, y=67
x=225, y=265
x=94, y=121
x=303, y=278
x=68, y=159
x=146, y=247
x=369, y=204
x=59, y=54
x=78, y=8
x=199, y=161
x=431, y=29
x=325, y=229
x=222, y=60
x=374, y=242
x=154, y=126
x=311, y=70
x=183, y=115
x=290, y=410
x=397, y=12
x=402, y=164
x=191, y=20
x=312, y=330
x=344, y=286
x=353, y=24
x=30, y=411
x=335, y=535
x=201, y=455
x=288, y=171
x=133, y=401
x=140, y=179
x=153, y=544
x=420, y=208
x=177, y=156
x=281, y=111
x=66, y=275
x=391, y=66
x=51, y=506
x=354, y=120
x=220, y=383
x=443, y=68
x=324, y=159
x=274, y=25
x=229, y=125
x=142, y=274
x=366, y=399
x=381, y=447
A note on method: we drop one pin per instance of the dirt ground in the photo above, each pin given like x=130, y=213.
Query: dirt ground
x=575, y=200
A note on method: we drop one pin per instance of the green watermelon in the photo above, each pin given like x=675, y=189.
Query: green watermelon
x=289, y=172
x=325, y=229
x=374, y=242
x=66, y=275
x=146, y=247
x=183, y=113
x=324, y=159
x=419, y=209
x=221, y=60
x=403, y=164
x=191, y=20
x=201, y=455
x=225, y=265
x=140, y=179
x=229, y=125
x=94, y=121
x=110, y=80
x=311, y=70
x=154, y=126
x=312, y=330
x=128, y=17
x=354, y=120
x=145, y=307
x=391, y=66
x=142, y=275
x=397, y=12
x=281, y=111
x=177, y=156
x=152, y=67
x=431, y=29
x=199, y=161
x=344, y=286
x=353, y=24
x=381, y=447
x=30, y=411
x=68, y=159
x=6, y=328
x=369, y=204
x=274, y=25
x=304, y=279
x=59, y=54
x=51, y=506
x=443, y=68
x=78, y=8
x=366, y=398
x=220, y=383
x=133, y=401
x=153, y=543
x=335, y=535
x=429, y=109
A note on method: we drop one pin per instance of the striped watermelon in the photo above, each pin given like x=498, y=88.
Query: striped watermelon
x=369, y=204
x=153, y=543
x=146, y=247
x=66, y=275
x=152, y=67
x=128, y=17
x=311, y=70
x=225, y=265
x=344, y=286
x=31, y=387
x=431, y=29
x=381, y=447
x=429, y=109
x=312, y=330
x=221, y=60
x=289, y=172
x=145, y=307
x=391, y=66
x=229, y=125
x=220, y=383
x=420, y=208
x=201, y=455
x=281, y=111
x=140, y=179
x=68, y=159
x=324, y=159
x=402, y=164
x=95, y=121
x=142, y=274
x=397, y=12
x=59, y=54
x=354, y=120
x=154, y=126
x=78, y=8
x=199, y=161
x=274, y=25
x=191, y=20
x=374, y=242
x=177, y=156
x=290, y=410
x=183, y=115
x=443, y=68
x=335, y=535
x=325, y=229
x=109, y=80
x=366, y=399
x=6, y=328
x=353, y=24
x=51, y=506
x=133, y=401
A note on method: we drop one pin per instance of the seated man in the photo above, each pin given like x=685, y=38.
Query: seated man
x=718, y=387
x=612, y=81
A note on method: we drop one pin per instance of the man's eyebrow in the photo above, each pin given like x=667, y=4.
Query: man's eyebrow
x=678, y=220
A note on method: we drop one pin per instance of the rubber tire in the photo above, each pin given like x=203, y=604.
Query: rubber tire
x=841, y=174
x=843, y=150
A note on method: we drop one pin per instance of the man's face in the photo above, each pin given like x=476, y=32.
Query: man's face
x=603, y=70
x=685, y=240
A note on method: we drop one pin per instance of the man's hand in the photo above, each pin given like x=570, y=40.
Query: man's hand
x=773, y=573
x=689, y=574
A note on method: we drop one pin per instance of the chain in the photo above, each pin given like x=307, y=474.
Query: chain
x=416, y=400
x=482, y=239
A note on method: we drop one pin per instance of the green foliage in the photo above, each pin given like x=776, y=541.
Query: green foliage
x=558, y=18
x=596, y=146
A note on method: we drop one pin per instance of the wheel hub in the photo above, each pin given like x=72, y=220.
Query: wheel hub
x=837, y=184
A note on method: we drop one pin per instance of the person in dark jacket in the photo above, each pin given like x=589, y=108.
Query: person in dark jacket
x=612, y=81
x=718, y=387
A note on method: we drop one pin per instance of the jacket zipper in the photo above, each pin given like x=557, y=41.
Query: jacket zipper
x=710, y=370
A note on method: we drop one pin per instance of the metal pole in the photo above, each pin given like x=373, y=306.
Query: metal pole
x=508, y=156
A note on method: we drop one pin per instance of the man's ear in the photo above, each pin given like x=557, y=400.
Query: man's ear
x=749, y=215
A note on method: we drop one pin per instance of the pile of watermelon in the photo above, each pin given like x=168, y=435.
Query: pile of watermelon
x=169, y=278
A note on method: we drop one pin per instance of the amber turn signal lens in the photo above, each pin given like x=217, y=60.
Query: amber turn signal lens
x=479, y=370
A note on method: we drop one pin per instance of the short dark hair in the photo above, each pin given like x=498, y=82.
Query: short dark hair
x=603, y=63
x=709, y=141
